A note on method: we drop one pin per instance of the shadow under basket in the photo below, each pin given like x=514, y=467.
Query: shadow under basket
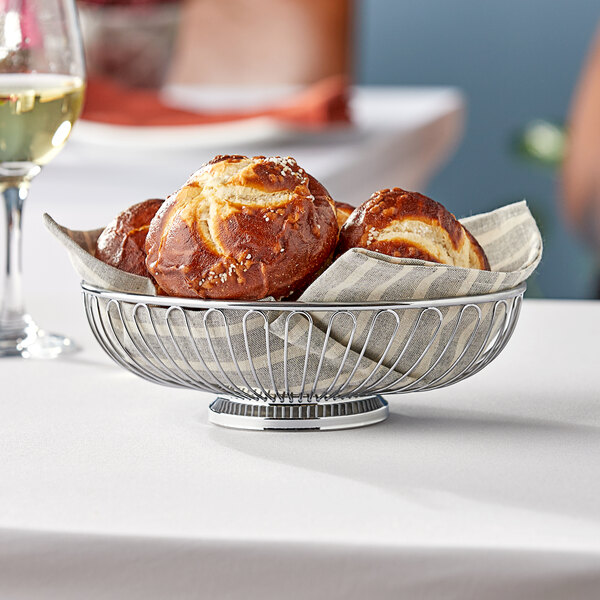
x=301, y=366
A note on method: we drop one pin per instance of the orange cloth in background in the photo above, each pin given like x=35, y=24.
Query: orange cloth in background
x=318, y=106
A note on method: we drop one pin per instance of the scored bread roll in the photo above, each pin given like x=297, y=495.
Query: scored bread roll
x=243, y=228
x=122, y=243
x=409, y=225
x=342, y=212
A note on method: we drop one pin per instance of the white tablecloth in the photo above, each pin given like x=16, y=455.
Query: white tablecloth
x=112, y=487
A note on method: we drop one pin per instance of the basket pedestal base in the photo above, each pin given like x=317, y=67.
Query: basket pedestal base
x=342, y=414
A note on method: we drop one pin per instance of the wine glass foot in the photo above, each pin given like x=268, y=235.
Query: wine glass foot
x=36, y=343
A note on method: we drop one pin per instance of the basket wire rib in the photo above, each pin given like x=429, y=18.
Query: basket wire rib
x=299, y=354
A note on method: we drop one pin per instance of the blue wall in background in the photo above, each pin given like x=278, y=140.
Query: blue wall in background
x=516, y=60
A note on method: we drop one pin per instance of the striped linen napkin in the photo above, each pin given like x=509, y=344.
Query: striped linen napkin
x=509, y=236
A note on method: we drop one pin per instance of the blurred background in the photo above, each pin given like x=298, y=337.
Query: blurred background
x=516, y=62
x=513, y=66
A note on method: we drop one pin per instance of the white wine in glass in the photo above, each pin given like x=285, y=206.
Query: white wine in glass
x=42, y=82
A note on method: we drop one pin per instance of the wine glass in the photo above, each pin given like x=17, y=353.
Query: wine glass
x=42, y=81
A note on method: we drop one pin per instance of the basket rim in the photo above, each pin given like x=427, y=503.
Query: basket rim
x=259, y=305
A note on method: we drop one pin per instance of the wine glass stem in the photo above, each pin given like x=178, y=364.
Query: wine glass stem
x=14, y=189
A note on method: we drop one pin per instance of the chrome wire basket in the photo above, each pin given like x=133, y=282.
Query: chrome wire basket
x=294, y=365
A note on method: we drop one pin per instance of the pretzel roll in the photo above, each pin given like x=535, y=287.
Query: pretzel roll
x=122, y=243
x=242, y=229
x=342, y=212
x=410, y=225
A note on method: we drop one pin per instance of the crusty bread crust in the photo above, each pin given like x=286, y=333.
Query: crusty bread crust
x=121, y=244
x=342, y=212
x=410, y=225
x=242, y=229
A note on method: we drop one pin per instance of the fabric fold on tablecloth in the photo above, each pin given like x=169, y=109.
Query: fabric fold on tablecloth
x=57, y=565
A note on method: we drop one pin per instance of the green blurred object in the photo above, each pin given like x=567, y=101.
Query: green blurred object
x=542, y=142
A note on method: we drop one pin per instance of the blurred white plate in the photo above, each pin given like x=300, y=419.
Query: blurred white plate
x=260, y=129
x=209, y=100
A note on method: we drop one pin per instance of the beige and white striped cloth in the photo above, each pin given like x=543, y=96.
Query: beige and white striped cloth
x=509, y=236
x=299, y=351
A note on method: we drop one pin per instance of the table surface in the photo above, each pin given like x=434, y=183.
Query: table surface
x=113, y=487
